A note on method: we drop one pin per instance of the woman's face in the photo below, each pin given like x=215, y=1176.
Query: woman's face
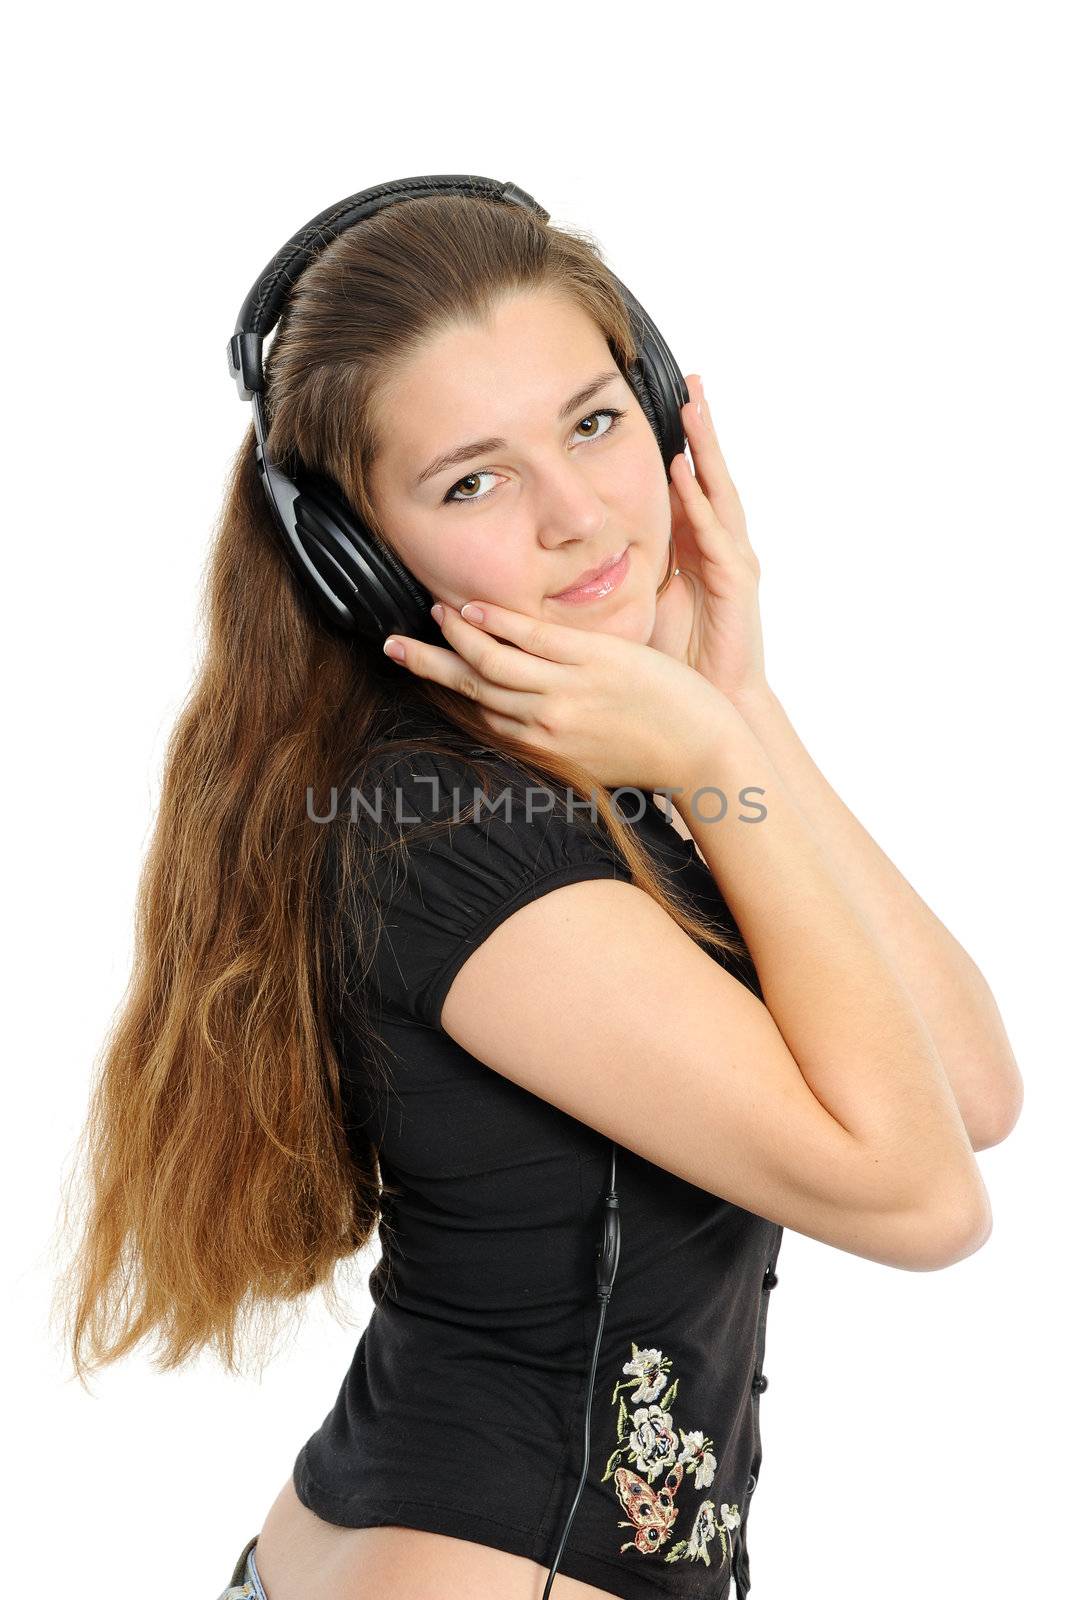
x=503, y=477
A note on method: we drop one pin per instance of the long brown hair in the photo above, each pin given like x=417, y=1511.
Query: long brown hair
x=222, y=1180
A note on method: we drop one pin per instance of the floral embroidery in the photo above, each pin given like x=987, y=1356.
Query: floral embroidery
x=649, y=1442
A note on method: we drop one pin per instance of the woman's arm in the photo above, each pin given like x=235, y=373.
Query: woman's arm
x=848, y=1020
x=946, y=985
x=725, y=647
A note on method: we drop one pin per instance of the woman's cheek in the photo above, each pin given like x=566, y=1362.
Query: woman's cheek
x=645, y=490
x=485, y=573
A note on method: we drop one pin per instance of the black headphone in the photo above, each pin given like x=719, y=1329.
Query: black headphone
x=355, y=580
x=352, y=576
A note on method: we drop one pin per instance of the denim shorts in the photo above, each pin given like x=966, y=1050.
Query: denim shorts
x=245, y=1584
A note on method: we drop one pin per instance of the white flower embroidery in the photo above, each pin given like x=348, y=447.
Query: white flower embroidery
x=702, y=1535
x=652, y=1440
x=697, y=1449
x=697, y=1545
x=648, y=1366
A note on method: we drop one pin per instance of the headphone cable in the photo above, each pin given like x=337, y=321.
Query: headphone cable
x=606, y=1270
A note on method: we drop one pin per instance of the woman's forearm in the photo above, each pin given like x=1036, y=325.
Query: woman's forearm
x=848, y=1020
x=947, y=987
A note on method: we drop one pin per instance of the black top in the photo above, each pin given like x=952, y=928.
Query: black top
x=463, y=1409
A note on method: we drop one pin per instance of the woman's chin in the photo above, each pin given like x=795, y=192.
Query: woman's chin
x=634, y=619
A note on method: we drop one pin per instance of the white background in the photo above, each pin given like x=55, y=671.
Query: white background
x=846, y=217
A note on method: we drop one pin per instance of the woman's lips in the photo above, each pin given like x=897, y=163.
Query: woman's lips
x=599, y=587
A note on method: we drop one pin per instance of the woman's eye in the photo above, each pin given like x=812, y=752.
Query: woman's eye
x=454, y=498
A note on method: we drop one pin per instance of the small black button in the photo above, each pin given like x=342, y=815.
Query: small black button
x=770, y=1280
x=751, y=1481
x=760, y=1384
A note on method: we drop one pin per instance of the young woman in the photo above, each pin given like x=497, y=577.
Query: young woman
x=436, y=1012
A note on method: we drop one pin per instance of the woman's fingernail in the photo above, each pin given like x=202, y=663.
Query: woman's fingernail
x=472, y=613
x=437, y=612
x=393, y=648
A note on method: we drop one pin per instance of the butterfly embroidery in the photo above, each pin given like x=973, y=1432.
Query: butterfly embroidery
x=652, y=1513
x=651, y=1444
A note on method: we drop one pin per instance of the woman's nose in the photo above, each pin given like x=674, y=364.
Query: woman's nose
x=568, y=507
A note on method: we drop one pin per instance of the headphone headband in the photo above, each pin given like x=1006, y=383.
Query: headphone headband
x=266, y=298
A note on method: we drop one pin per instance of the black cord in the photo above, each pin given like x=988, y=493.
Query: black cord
x=607, y=1255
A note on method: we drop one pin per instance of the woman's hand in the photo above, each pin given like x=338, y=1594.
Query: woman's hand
x=626, y=712
x=715, y=555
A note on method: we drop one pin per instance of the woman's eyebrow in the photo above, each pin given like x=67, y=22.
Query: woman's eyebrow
x=477, y=447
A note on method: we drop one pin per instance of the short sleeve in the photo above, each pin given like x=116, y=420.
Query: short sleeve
x=494, y=846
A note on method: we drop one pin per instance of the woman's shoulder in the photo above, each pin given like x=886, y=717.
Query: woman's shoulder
x=464, y=838
x=426, y=773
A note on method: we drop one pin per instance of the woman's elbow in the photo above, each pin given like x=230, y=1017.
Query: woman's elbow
x=951, y=1233
x=1001, y=1117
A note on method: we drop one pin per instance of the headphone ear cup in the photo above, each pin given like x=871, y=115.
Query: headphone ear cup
x=639, y=388
x=656, y=379
x=370, y=591
x=355, y=581
x=663, y=392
